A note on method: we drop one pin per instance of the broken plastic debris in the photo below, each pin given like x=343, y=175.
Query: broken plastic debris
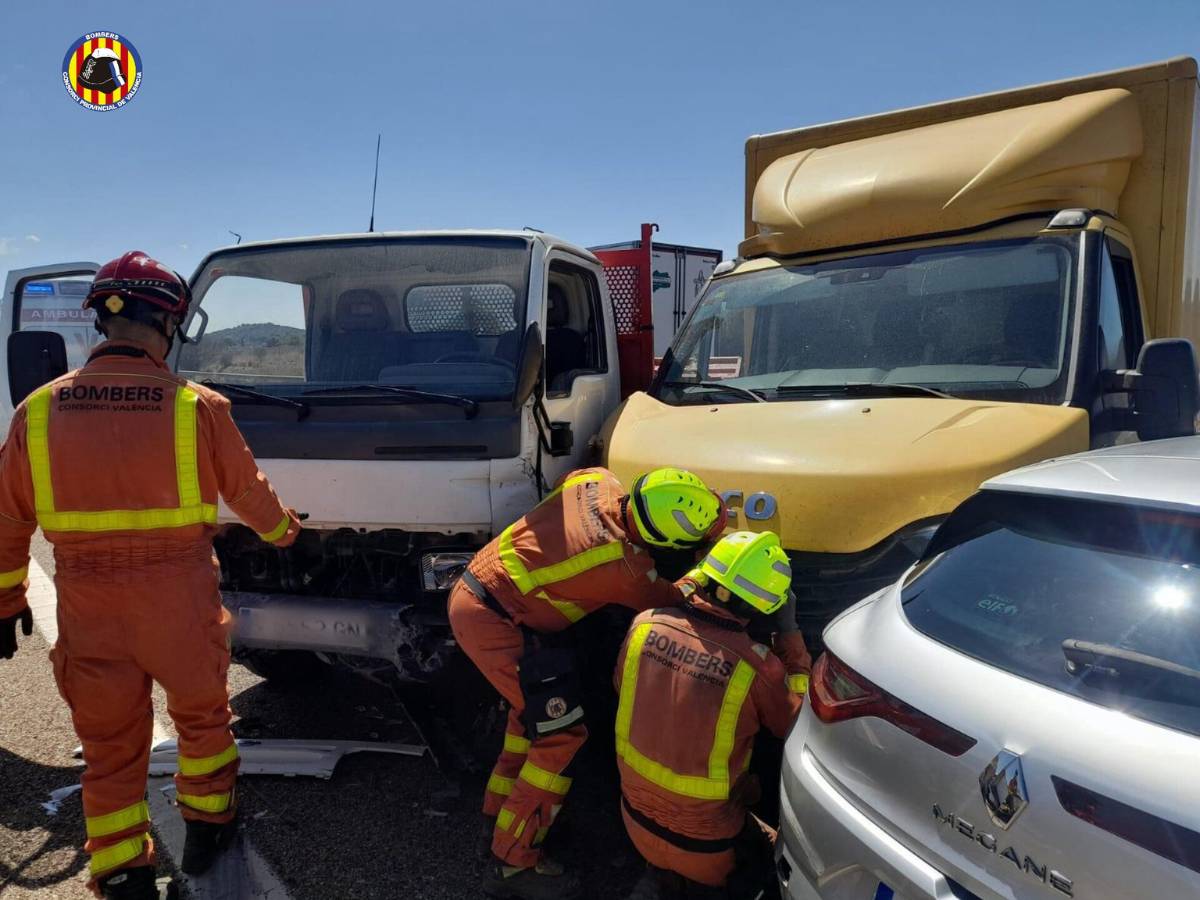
x=57, y=796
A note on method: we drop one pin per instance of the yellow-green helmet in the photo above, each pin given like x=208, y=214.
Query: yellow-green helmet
x=674, y=508
x=752, y=566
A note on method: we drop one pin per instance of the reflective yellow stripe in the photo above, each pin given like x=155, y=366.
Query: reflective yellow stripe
x=505, y=819
x=187, y=474
x=727, y=719
x=13, y=578
x=547, y=781
x=129, y=519
x=572, y=611
x=713, y=786
x=498, y=784
x=121, y=820
x=37, y=427
x=191, y=509
x=798, y=684
x=118, y=854
x=210, y=803
x=189, y=765
x=278, y=531
x=515, y=743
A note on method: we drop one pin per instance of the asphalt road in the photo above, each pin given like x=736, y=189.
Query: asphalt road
x=382, y=827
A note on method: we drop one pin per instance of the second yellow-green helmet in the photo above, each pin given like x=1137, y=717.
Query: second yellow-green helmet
x=673, y=508
x=753, y=567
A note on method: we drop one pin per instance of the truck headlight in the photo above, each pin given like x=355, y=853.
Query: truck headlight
x=439, y=570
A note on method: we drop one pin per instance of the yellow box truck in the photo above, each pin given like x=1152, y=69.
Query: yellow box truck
x=929, y=297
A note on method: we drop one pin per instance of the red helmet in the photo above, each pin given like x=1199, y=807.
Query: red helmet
x=135, y=276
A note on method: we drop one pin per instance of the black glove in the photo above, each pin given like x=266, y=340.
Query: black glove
x=783, y=620
x=8, y=631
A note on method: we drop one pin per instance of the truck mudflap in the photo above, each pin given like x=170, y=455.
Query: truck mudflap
x=417, y=648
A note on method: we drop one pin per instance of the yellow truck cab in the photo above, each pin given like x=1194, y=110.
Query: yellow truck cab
x=925, y=299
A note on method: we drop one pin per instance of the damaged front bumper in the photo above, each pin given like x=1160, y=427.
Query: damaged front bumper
x=417, y=646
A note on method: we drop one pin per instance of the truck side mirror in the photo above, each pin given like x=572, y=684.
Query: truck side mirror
x=35, y=358
x=1165, y=390
x=529, y=365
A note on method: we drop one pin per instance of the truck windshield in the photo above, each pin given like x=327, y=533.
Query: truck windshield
x=434, y=314
x=987, y=320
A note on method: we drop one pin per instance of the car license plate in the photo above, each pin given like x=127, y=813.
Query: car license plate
x=883, y=892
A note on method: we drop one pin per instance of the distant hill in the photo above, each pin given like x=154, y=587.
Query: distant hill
x=261, y=350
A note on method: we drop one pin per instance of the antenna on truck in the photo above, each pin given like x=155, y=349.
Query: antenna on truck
x=375, y=186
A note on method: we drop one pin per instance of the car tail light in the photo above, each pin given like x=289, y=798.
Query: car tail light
x=838, y=693
x=1159, y=836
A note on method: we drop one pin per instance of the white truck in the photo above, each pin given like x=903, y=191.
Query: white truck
x=411, y=393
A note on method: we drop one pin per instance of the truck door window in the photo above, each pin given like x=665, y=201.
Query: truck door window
x=574, y=327
x=1113, y=346
x=56, y=304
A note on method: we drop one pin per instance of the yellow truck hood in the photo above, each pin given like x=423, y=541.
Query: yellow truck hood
x=845, y=474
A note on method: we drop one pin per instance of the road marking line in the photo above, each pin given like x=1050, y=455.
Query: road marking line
x=243, y=875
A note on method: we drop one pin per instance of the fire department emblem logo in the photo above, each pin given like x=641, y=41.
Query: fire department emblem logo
x=102, y=71
x=556, y=707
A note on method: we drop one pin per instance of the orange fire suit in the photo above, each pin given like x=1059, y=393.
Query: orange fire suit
x=120, y=463
x=567, y=557
x=694, y=690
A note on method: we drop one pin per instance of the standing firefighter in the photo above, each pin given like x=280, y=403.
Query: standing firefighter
x=588, y=544
x=695, y=688
x=121, y=463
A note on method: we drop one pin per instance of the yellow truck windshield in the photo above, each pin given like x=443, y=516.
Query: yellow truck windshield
x=990, y=320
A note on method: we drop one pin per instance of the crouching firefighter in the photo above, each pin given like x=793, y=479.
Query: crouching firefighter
x=588, y=544
x=121, y=463
x=695, y=688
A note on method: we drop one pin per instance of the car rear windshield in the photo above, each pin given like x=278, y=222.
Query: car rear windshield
x=1095, y=599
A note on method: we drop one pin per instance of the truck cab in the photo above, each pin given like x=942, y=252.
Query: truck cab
x=410, y=394
x=925, y=299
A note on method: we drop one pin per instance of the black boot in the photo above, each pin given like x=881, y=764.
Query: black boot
x=545, y=881
x=483, y=844
x=137, y=883
x=203, y=843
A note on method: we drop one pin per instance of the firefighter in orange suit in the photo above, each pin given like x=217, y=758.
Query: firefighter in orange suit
x=588, y=544
x=121, y=463
x=695, y=689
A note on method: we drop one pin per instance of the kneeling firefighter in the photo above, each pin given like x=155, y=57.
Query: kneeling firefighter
x=588, y=544
x=695, y=688
x=121, y=463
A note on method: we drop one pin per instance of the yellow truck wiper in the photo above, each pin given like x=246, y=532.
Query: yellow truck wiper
x=719, y=386
x=863, y=389
x=469, y=406
x=301, y=408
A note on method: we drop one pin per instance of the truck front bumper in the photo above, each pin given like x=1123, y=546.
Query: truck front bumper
x=417, y=646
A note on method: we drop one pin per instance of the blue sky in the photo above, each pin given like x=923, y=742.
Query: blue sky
x=582, y=119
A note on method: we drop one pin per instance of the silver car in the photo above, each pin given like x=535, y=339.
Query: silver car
x=1019, y=717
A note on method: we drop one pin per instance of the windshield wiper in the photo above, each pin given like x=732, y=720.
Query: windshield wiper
x=469, y=406
x=864, y=389
x=1131, y=669
x=301, y=408
x=719, y=386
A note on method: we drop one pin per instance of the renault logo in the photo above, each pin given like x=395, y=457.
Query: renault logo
x=1002, y=785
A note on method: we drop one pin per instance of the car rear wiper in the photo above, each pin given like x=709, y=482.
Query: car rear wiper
x=469, y=406
x=1128, y=667
x=301, y=408
x=864, y=389
x=719, y=386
